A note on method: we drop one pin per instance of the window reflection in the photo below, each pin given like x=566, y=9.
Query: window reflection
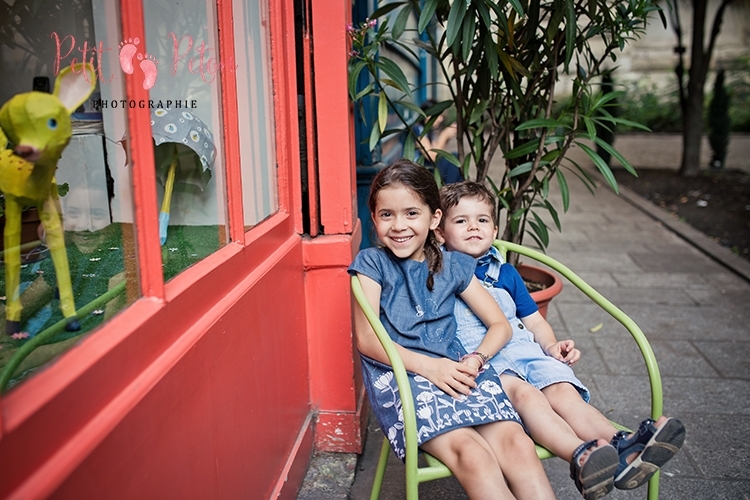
x=255, y=109
x=186, y=127
x=92, y=179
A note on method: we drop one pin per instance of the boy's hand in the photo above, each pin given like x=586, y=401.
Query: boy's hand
x=564, y=351
x=451, y=377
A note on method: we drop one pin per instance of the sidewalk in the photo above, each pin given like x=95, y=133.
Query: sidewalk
x=695, y=313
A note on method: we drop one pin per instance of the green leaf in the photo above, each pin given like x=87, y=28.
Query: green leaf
x=382, y=111
x=455, y=19
x=517, y=7
x=364, y=91
x=465, y=166
x=399, y=25
x=583, y=176
x=564, y=191
x=448, y=156
x=536, y=238
x=409, y=146
x=394, y=71
x=374, y=137
x=553, y=213
x=521, y=169
x=601, y=165
x=609, y=149
x=523, y=149
x=437, y=109
x=570, y=31
x=426, y=15
x=484, y=13
x=541, y=123
x=470, y=24
x=385, y=9
x=540, y=228
x=412, y=106
x=354, y=72
x=622, y=121
x=590, y=127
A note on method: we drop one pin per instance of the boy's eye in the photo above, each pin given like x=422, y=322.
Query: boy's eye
x=483, y=220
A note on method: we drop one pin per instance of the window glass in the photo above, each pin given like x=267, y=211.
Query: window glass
x=180, y=66
x=255, y=108
x=74, y=265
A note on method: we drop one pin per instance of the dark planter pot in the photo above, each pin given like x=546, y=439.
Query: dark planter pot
x=539, y=275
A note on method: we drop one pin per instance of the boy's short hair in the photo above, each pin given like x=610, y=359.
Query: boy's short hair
x=451, y=195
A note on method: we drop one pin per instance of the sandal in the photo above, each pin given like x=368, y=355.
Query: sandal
x=595, y=477
x=655, y=446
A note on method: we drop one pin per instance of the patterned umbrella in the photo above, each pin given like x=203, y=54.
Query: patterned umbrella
x=185, y=152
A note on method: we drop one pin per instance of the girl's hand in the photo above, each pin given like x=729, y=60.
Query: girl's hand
x=449, y=376
x=564, y=351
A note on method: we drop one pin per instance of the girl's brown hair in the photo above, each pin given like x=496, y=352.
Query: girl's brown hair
x=420, y=181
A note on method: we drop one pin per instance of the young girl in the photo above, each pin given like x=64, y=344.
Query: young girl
x=463, y=416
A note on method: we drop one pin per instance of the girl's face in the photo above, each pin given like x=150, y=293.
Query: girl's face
x=403, y=222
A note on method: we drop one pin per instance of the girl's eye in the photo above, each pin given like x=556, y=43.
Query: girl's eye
x=413, y=213
x=52, y=123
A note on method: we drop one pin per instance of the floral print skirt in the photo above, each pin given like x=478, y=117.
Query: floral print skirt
x=437, y=412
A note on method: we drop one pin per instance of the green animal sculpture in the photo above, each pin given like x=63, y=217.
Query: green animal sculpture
x=37, y=125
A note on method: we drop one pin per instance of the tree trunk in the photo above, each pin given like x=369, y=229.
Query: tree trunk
x=692, y=132
x=692, y=112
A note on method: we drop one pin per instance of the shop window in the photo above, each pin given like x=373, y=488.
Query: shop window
x=95, y=270
x=180, y=64
x=255, y=110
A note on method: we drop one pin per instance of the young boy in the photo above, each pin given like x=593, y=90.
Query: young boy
x=534, y=365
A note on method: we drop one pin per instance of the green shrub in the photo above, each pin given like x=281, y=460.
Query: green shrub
x=658, y=109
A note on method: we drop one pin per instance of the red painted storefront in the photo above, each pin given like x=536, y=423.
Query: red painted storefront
x=223, y=381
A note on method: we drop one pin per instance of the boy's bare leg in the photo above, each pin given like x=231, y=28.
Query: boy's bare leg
x=585, y=420
x=518, y=460
x=545, y=426
x=468, y=455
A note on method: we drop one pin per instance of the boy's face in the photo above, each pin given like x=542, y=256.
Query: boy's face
x=468, y=227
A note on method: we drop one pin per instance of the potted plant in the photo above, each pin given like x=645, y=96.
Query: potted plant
x=498, y=68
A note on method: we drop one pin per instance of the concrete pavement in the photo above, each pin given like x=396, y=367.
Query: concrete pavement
x=689, y=295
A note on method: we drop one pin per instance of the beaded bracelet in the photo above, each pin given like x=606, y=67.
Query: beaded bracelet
x=482, y=359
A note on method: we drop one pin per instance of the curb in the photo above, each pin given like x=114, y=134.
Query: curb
x=722, y=255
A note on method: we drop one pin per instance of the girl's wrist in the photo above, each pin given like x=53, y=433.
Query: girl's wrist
x=482, y=358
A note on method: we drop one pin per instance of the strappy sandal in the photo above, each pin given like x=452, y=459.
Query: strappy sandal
x=655, y=447
x=595, y=477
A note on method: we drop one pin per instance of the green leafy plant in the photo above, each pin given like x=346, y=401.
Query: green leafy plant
x=499, y=64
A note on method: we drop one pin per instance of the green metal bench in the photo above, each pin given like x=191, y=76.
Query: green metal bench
x=416, y=474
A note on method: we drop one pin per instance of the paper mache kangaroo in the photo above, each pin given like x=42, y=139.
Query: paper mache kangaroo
x=38, y=127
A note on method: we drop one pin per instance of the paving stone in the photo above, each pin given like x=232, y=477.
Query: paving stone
x=731, y=358
x=666, y=280
x=716, y=445
x=594, y=261
x=675, y=358
x=704, y=489
x=708, y=396
x=675, y=263
x=623, y=296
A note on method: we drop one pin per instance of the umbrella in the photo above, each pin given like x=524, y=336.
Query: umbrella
x=184, y=152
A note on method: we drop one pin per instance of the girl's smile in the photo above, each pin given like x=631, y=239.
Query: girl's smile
x=403, y=222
